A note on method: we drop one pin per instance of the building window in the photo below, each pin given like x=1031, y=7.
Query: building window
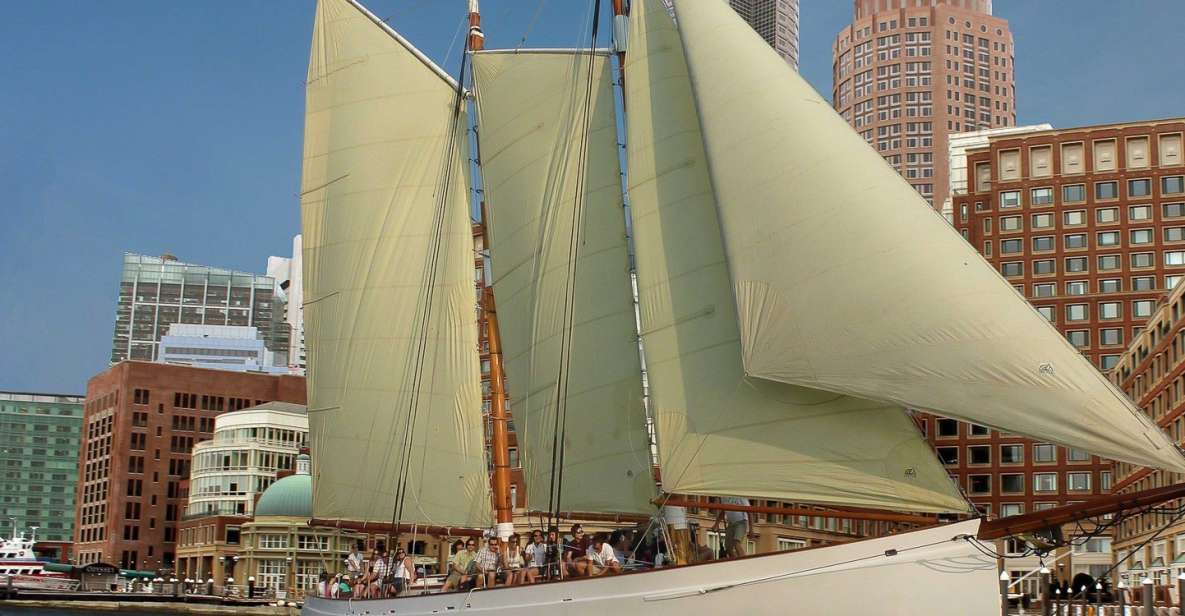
x=1078, y=482
x=979, y=455
x=1111, y=336
x=1109, y=310
x=1044, y=452
x=1174, y=257
x=1107, y=238
x=1106, y=190
x=1011, y=509
x=1143, y=283
x=1012, y=268
x=1108, y=262
x=1042, y=196
x=1144, y=259
x=1076, y=264
x=979, y=484
x=1077, y=455
x=1173, y=210
x=1014, y=246
x=1042, y=221
x=1042, y=267
x=1171, y=185
x=1108, y=362
x=1045, y=482
x=1047, y=312
x=947, y=428
x=789, y=545
x=1106, y=215
x=1140, y=236
x=1142, y=308
x=1174, y=234
x=1010, y=223
x=1075, y=193
x=1074, y=217
x=1109, y=285
x=1105, y=481
x=1012, y=483
x=1012, y=454
x=1044, y=290
x=1079, y=338
x=1076, y=312
x=948, y=455
x=1077, y=287
x=978, y=430
x=1170, y=282
x=1074, y=240
x=1009, y=199
x=1139, y=188
x=1043, y=243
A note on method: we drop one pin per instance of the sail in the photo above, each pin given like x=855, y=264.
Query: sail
x=847, y=281
x=390, y=316
x=719, y=431
x=541, y=171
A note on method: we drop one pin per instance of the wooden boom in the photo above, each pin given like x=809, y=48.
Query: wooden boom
x=1031, y=522
x=829, y=513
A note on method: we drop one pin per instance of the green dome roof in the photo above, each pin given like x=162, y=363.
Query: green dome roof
x=291, y=496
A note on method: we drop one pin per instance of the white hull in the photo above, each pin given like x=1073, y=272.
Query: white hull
x=933, y=573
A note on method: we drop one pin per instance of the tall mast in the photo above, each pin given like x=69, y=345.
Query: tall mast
x=620, y=36
x=499, y=435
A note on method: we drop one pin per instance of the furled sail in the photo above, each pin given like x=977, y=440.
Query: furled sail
x=394, y=382
x=846, y=280
x=719, y=431
x=542, y=173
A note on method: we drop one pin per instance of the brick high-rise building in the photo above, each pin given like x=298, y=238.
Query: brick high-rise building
x=1089, y=225
x=776, y=21
x=140, y=422
x=905, y=76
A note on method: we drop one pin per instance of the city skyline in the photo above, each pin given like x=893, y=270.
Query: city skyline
x=171, y=128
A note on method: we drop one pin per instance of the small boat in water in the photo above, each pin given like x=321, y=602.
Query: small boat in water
x=20, y=568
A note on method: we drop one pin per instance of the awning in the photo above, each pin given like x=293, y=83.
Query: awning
x=1179, y=560
x=1139, y=566
x=58, y=568
x=1158, y=563
x=137, y=575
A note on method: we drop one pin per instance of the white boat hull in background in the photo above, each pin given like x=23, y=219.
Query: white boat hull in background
x=933, y=572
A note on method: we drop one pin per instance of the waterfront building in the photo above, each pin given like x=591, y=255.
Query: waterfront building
x=218, y=347
x=141, y=421
x=776, y=21
x=156, y=292
x=39, y=441
x=957, y=146
x=908, y=74
x=249, y=448
x=1152, y=372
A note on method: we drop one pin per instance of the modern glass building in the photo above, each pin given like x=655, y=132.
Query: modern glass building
x=155, y=292
x=39, y=440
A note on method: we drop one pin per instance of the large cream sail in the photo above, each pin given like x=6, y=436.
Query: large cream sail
x=539, y=167
x=846, y=280
x=388, y=252
x=720, y=432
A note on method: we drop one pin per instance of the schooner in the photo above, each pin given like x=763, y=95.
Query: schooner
x=766, y=289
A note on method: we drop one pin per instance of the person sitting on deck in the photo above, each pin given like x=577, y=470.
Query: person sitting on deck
x=513, y=564
x=621, y=543
x=554, y=550
x=404, y=571
x=378, y=575
x=488, y=562
x=355, y=566
x=461, y=567
x=600, y=558
x=575, y=552
x=536, y=557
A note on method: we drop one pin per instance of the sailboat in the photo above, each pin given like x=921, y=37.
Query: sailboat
x=766, y=291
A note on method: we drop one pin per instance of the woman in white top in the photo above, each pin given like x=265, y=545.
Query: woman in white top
x=513, y=562
x=405, y=572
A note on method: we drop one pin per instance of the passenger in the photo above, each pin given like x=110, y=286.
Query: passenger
x=461, y=567
x=513, y=564
x=536, y=557
x=344, y=590
x=601, y=559
x=489, y=560
x=554, y=550
x=575, y=552
x=378, y=575
x=739, y=524
x=620, y=542
x=405, y=573
x=355, y=566
x=323, y=585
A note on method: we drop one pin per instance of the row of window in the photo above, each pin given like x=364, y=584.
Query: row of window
x=1009, y=454
x=1104, y=152
x=1014, y=483
x=1103, y=191
x=1105, y=263
x=1080, y=241
x=1102, y=216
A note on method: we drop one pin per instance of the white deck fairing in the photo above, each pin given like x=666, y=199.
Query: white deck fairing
x=934, y=572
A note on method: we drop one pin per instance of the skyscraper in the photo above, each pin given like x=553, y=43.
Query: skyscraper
x=906, y=76
x=776, y=21
x=155, y=292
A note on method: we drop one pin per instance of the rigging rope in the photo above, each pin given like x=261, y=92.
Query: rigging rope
x=561, y=411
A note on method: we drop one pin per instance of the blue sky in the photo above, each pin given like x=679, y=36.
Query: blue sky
x=152, y=126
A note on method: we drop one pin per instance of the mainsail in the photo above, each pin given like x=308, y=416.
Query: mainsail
x=549, y=161
x=720, y=431
x=846, y=280
x=394, y=390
